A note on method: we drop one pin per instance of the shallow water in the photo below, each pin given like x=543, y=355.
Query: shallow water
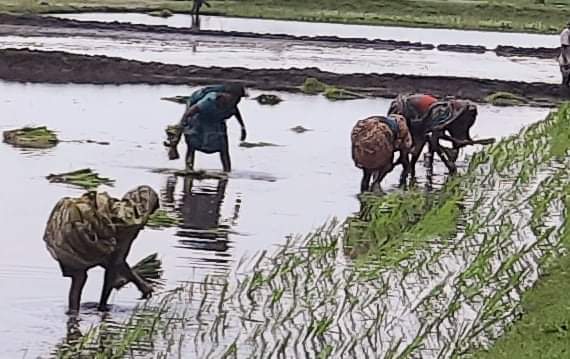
x=273, y=192
x=489, y=39
x=264, y=53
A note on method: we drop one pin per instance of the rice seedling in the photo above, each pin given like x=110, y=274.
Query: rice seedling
x=85, y=178
x=162, y=219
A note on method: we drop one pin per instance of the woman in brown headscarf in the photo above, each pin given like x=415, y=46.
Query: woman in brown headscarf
x=374, y=141
x=98, y=230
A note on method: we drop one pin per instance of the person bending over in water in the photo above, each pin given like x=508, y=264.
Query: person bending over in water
x=204, y=123
x=98, y=230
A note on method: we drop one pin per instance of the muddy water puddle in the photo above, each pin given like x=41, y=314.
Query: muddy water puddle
x=274, y=192
x=266, y=53
x=489, y=39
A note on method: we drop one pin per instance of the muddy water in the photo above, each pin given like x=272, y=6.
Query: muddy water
x=488, y=39
x=272, y=193
x=264, y=53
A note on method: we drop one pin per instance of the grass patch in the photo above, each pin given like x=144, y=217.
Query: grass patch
x=499, y=15
x=84, y=178
x=31, y=137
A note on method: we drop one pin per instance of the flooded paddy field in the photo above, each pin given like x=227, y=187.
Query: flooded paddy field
x=168, y=46
x=489, y=39
x=273, y=192
x=271, y=54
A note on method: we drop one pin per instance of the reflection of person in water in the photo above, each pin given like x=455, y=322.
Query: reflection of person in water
x=202, y=227
x=201, y=208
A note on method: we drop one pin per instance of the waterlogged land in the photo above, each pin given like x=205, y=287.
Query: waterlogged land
x=434, y=273
x=505, y=15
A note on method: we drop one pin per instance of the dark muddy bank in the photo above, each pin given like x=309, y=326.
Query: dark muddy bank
x=61, y=67
x=51, y=24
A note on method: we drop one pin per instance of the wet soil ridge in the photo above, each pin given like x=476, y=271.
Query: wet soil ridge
x=51, y=23
x=23, y=65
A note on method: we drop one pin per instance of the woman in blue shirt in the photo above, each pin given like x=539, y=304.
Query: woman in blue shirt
x=204, y=123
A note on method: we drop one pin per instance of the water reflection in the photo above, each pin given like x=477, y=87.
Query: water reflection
x=200, y=207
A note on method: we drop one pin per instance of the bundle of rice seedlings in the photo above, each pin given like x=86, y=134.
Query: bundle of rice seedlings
x=85, y=178
x=31, y=137
x=313, y=86
x=162, y=219
x=335, y=94
x=505, y=99
x=150, y=269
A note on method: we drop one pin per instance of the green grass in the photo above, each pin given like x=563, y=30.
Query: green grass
x=543, y=329
x=31, y=137
x=500, y=15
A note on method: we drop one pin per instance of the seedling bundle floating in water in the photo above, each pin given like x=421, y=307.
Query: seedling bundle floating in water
x=257, y=144
x=313, y=86
x=31, y=137
x=84, y=178
x=267, y=99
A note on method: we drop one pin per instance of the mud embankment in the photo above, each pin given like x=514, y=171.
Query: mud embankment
x=61, y=67
x=51, y=24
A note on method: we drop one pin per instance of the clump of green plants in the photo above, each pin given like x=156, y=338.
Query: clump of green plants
x=31, y=137
x=85, y=178
x=505, y=99
x=313, y=86
x=162, y=219
x=337, y=94
x=268, y=99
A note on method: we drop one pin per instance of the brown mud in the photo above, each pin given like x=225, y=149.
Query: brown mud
x=52, y=24
x=23, y=65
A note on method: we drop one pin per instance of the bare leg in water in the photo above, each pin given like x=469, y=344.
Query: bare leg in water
x=78, y=280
